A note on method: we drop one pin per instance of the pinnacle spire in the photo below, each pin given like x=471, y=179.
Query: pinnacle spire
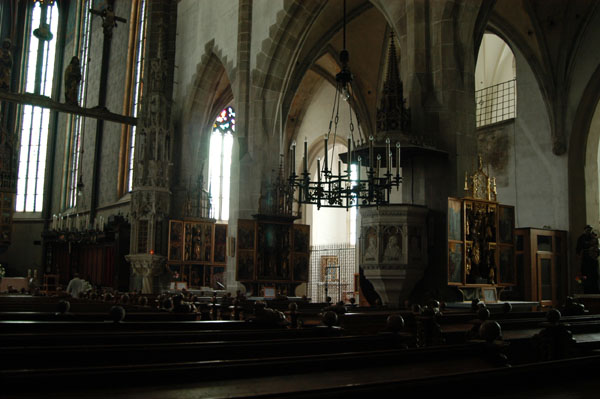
x=391, y=114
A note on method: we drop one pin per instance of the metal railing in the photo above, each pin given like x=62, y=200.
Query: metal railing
x=332, y=269
x=496, y=103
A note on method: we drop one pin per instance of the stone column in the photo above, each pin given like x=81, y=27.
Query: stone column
x=150, y=197
x=393, y=249
x=244, y=193
x=438, y=51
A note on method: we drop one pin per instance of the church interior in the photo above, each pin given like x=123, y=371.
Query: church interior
x=299, y=198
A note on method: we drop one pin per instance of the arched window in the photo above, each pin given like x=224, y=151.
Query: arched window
x=134, y=82
x=76, y=122
x=39, y=52
x=495, y=82
x=221, y=145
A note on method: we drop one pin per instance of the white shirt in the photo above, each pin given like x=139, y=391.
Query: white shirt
x=75, y=287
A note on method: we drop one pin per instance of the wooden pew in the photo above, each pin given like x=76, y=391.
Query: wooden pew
x=91, y=354
x=420, y=363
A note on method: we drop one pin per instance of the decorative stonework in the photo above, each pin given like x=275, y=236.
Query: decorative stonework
x=146, y=266
x=150, y=197
x=393, y=249
x=392, y=115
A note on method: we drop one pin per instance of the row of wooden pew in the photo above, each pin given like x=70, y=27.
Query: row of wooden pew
x=367, y=353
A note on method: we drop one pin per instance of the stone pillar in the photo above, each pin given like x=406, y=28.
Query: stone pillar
x=150, y=196
x=244, y=188
x=393, y=249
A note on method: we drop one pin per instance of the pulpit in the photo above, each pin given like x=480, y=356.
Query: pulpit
x=393, y=249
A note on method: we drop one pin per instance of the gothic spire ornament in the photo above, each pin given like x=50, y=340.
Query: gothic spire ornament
x=392, y=114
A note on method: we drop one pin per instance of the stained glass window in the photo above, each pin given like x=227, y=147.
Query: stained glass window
x=39, y=71
x=221, y=145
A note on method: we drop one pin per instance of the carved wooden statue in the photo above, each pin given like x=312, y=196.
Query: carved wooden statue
x=6, y=63
x=72, y=80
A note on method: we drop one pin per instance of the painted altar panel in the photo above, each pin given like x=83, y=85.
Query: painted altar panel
x=198, y=241
x=175, y=240
x=220, y=247
x=456, y=271
x=480, y=243
x=273, y=256
x=300, y=256
x=197, y=253
x=246, y=251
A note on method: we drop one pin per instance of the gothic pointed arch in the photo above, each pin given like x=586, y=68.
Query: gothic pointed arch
x=584, y=143
x=209, y=92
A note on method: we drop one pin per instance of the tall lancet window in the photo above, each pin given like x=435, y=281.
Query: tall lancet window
x=221, y=145
x=38, y=60
x=74, y=139
x=134, y=82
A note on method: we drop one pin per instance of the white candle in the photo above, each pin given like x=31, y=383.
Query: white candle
x=398, y=159
x=349, y=159
x=293, y=160
x=305, y=156
x=325, y=157
x=371, y=160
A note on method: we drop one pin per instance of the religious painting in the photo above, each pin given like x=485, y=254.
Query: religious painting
x=220, y=243
x=301, y=238
x=175, y=240
x=370, y=245
x=490, y=223
x=392, y=241
x=207, y=242
x=330, y=268
x=245, y=265
x=506, y=217
x=217, y=278
x=197, y=276
x=489, y=294
x=198, y=242
x=245, y=237
x=273, y=251
x=187, y=242
x=506, y=265
x=269, y=292
x=455, y=262
x=454, y=220
x=300, y=267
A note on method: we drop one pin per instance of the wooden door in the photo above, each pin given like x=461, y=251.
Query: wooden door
x=546, y=279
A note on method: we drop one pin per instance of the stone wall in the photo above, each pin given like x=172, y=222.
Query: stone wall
x=529, y=176
x=198, y=23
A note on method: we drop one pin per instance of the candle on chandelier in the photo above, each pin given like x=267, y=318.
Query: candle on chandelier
x=348, y=169
x=378, y=164
x=371, y=160
x=293, y=160
x=387, y=149
x=398, y=160
x=319, y=169
x=325, y=158
x=305, y=156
